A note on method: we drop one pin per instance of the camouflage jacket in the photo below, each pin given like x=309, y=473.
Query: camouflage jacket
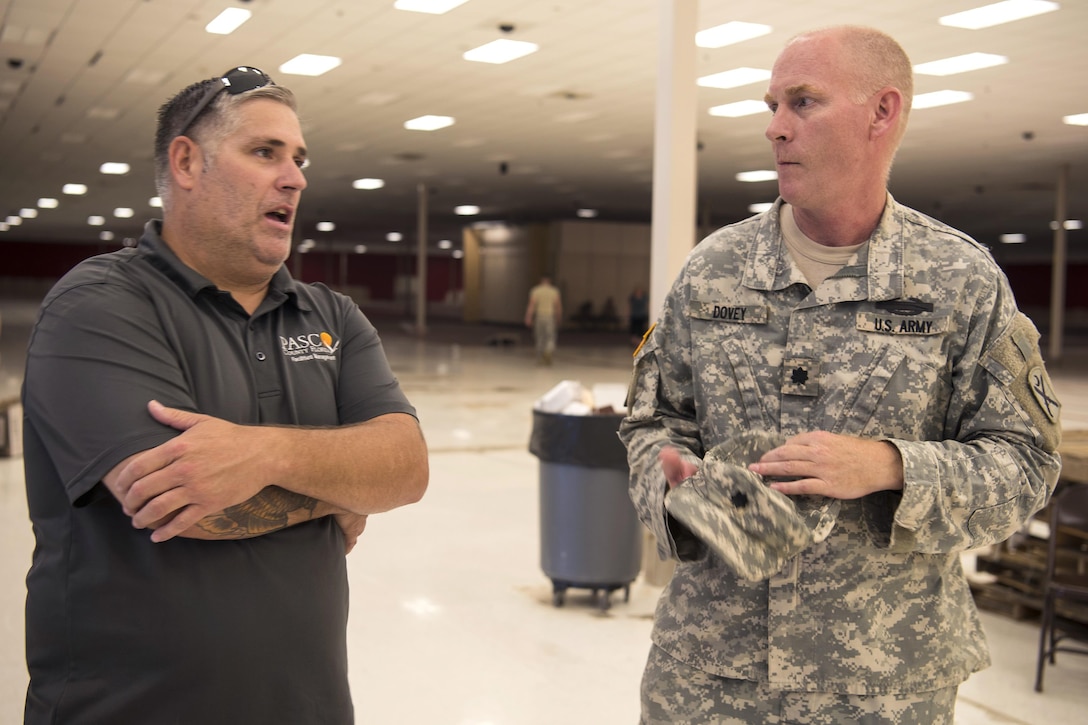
x=916, y=340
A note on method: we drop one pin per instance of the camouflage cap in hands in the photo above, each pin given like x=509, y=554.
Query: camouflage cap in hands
x=754, y=529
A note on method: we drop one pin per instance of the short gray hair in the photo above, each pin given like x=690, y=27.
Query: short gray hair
x=219, y=120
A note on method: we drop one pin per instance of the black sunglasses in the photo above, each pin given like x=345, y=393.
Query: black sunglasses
x=235, y=81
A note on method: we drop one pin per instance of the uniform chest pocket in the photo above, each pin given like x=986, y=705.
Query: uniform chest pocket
x=883, y=392
x=730, y=389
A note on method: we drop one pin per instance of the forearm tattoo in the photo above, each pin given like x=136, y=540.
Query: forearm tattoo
x=272, y=509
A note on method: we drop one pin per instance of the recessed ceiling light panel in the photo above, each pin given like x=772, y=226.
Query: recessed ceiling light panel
x=429, y=123
x=307, y=64
x=729, y=33
x=433, y=7
x=998, y=13
x=960, y=64
x=228, y=21
x=499, y=51
x=738, y=109
x=940, y=98
x=760, y=175
x=734, y=78
x=114, y=167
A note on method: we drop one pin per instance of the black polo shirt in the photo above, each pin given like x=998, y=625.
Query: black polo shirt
x=122, y=630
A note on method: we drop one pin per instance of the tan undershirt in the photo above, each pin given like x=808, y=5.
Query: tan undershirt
x=816, y=261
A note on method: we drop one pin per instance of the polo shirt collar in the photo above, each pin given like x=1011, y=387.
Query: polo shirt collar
x=281, y=288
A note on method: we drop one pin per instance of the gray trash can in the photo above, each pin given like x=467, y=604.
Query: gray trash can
x=590, y=536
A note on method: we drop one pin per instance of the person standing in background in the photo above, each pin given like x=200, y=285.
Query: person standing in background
x=543, y=315
x=638, y=313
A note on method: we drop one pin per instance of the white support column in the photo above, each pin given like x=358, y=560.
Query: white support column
x=672, y=233
x=421, y=262
x=1058, y=269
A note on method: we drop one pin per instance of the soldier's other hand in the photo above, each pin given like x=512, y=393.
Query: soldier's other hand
x=828, y=464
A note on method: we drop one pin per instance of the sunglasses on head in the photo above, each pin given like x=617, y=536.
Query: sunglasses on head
x=235, y=81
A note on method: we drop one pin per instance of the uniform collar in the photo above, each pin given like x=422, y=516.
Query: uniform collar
x=281, y=288
x=878, y=271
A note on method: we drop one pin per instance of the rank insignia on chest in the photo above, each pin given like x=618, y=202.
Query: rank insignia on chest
x=800, y=376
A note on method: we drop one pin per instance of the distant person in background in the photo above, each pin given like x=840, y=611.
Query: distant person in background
x=638, y=313
x=543, y=314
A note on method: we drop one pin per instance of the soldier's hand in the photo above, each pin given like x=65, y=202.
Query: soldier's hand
x=676, y=469
x=829, y=464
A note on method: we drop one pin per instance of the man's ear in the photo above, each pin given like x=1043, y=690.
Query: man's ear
x=886, y=112
x=186, y=161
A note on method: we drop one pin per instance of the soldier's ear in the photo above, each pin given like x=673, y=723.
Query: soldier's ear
x=886, y=110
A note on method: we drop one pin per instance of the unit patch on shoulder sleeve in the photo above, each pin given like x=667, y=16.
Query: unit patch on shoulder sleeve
x=1016, y=361
x=1043, y=390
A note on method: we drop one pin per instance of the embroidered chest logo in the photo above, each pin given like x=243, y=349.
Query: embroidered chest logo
x=310, y=346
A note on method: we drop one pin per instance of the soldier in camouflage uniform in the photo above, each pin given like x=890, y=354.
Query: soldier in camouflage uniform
x=907, y=388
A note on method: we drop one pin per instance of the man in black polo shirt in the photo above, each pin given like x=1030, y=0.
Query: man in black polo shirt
x=204, y=439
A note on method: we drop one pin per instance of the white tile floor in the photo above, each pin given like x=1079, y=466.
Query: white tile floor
x=451, y=616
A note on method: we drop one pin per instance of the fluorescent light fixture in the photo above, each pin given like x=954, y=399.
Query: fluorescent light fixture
x=940, y=98
x=394, y=237
x=96, y=221
x=123, y=212
x=325, y=226
x=761, y=175
x=587, y=213
x=307, y=64
x=4, y=226
x=306, y=245
x=1013, y=238
x=434, y=7
x=503, y=50
x=1069, y=224
x=738, y=109
x=48, y=203
x=13, y=221
x=732, y=32
x=360, y=249
x=458, y=253
x=1077, y=119
x=445, y=244
x=114, y=167
x=428, y=123
x=155, y=201
x=28, y=213
x=422, y=607
x=106, y=236
x=466, y=210
x=368, y=183
x=74, y=189
x=960, y=64
x=734, y=78
x=997, y=13
x=228, y=21
x=761, y=207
